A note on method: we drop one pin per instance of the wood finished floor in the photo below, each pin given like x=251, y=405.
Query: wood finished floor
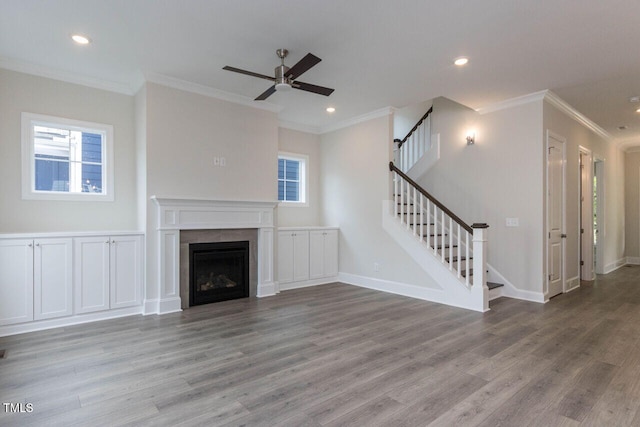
x=339, y=355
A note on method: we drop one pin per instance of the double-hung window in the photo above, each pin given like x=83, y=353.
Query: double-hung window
x=292, y=178
x=66, y=159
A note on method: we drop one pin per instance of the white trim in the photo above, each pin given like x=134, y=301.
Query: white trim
x=29, y=120
x=397, y=288
x=308, y=283
x=66, y=76
x=69, y=234
x=563, y=141
x=40, y=325
x=210, y=92
x=511, y=291
x=303, y=183
x=552, y=99
x=513, y=102
x=572, y=284
x=386, y=111
x=585, y=239
x=613, y=266
x=633, y=260
x=315, y=130
x=563, y=106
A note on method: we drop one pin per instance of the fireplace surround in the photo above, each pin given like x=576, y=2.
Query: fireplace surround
x=178, y=217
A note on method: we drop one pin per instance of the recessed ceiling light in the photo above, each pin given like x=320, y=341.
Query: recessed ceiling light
x=80, y=39
x=330, y=109
x=638, y=110
x=461, y=61
x=622, y=128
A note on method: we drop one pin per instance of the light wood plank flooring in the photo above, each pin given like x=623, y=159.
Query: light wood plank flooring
x=337, y=355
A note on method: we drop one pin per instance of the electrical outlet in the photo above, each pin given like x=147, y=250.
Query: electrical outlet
x=376, y=266
x=216, y=161
x=223, y=161
x=513, y=222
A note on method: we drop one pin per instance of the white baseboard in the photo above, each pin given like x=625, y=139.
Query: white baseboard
x=40, y=325
x=611, y=267
x=307, y=283
x=398, y=288
x=633, y=260
x=511, y=291
x=170, y=305
x=150, y=306
x=267, y=290
x=572, y=284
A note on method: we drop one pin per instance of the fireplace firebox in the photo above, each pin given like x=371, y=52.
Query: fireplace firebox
x=218, y=272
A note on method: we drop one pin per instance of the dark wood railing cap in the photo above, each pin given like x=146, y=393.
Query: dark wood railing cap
x=435, y=201
x=479, y=225
x=403, y=140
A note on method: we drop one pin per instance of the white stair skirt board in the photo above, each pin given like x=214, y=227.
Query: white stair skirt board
x=430, y=158
x=510, y=291
x=455, y=293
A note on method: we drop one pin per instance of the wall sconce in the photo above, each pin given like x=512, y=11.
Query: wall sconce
x=471, y=137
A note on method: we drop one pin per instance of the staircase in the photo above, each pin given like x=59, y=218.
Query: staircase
x=450, y=250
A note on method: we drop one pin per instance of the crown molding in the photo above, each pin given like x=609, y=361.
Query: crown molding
x=299, y=127
x=553, y=99
x=199, y=89
x=630, y=145
x=65, y=76
x=563, y=106
x=513, y=102
x=386, y=111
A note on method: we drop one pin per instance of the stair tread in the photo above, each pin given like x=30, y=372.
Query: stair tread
x=493, y=285
x=446, y=246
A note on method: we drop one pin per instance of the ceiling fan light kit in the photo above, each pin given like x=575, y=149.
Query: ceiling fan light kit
x=285, y=77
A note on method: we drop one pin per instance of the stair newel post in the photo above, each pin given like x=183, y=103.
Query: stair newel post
x=479, y=287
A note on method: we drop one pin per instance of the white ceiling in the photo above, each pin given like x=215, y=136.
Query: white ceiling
x=375, y=53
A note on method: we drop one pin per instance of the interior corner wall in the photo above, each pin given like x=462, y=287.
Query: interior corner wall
x=293, y=141
x=498, y=177
x=632, y=203
x=184, y=132
x=27, y=93
x=613, y=232
x=355, y=180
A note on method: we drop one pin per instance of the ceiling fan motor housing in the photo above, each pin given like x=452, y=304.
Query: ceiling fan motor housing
x=281, y=81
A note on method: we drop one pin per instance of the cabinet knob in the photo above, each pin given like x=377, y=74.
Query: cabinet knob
x=30, y=245
x=37, y=244
x=113, y=241
x=107, y=242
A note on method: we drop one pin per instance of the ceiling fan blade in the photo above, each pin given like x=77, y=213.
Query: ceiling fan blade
x=313, y=88
x=302, y=66
x=248, y=73
x=267, y=93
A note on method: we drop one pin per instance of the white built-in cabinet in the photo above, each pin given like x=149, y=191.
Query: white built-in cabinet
x=51, y=277
x=306, y=255
x=108, y=272
x=35, y=279
x=323, y=253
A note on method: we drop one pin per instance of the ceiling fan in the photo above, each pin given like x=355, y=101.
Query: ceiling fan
x=285, y=77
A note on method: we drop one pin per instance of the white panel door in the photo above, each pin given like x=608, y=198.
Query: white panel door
x=91, y=274
x=16, y=281
x=555, y=215
x=53, y=278
x=126, y=264
x=316, y=254
x=285, y=256
x=300, y=256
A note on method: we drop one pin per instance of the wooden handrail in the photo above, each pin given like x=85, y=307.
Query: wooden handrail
x=403, y=140
x=435, y=201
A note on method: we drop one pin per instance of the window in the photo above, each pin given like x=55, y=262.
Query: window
x=292, y=178
x=66, y=159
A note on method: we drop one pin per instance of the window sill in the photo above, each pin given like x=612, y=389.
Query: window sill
x=286, y=204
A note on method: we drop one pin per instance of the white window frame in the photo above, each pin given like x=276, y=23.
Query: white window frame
x=303, y=190
x=29, y=120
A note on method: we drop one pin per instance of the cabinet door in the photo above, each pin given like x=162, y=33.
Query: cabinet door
x=16, y=281
x=330, y=253
x=285, y=257
x=91, y=274
x=316, y=254
x=126, y=271
x=52, y=278
x=300, y=256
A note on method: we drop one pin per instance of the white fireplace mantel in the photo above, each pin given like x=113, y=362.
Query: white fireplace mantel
x=174, y=214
